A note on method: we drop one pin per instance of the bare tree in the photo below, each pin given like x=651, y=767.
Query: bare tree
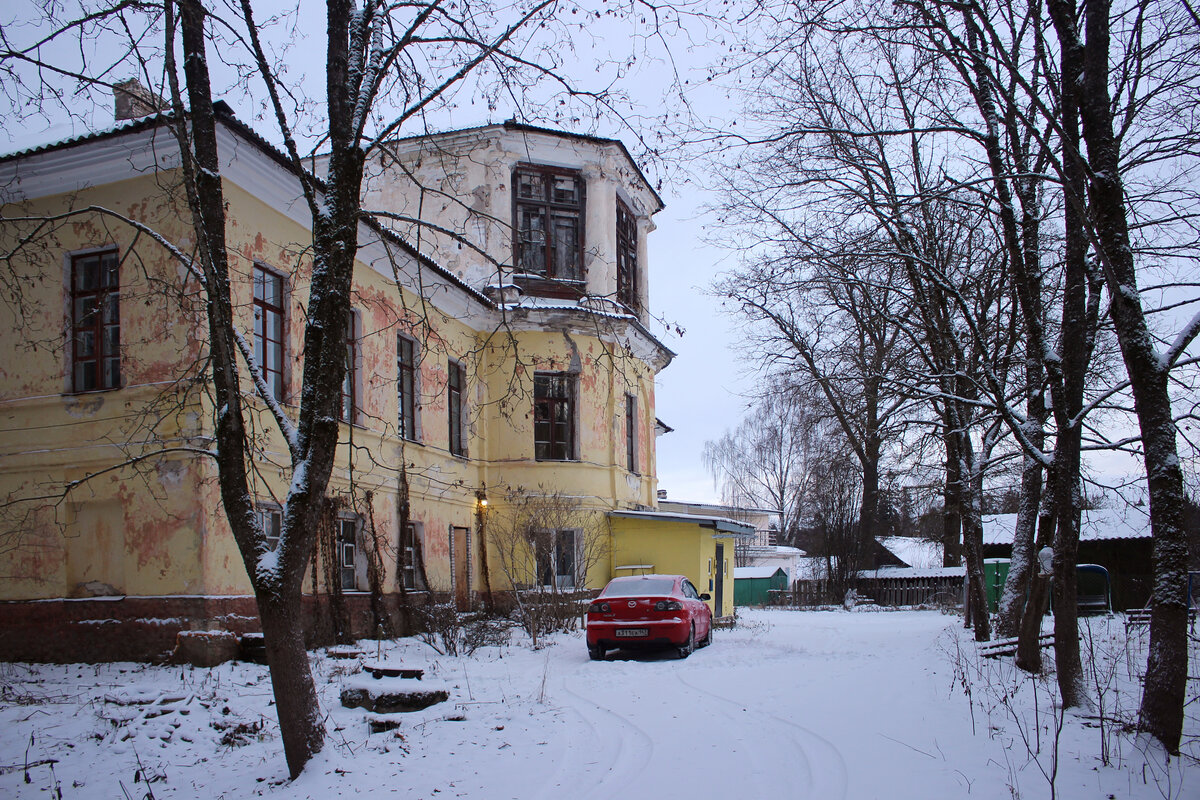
x=768, y=461
x=823, y=307
x=547, y=543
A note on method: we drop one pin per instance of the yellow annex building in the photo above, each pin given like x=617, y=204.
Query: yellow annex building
x=501, y=376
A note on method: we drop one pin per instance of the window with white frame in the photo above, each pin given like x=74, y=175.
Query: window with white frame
x=351, y=565
x=559, y=556
x=412, y=554
x=270, y=522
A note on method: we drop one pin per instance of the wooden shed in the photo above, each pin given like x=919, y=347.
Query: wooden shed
x=752, y=585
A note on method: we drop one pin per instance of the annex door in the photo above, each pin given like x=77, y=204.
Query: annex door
x=719, y=581
x=460, y=552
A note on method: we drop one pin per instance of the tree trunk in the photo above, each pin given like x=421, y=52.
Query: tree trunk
x=278, y=594
x=300, y=724
x=1022, y=565
x=1166, y=669
x=951, y=507
x=1067, y=665
x=869, y=516
x=972, y=530
x=1029, y=648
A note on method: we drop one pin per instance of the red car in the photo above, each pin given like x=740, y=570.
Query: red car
x=648, y=612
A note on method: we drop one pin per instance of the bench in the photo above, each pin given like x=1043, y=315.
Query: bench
x=1008, y=647
x=1138, y=617
x=380, y=669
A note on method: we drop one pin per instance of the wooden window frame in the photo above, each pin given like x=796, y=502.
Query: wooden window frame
x=455, y=388
x=546, y=410
x=266, y=312
x=351, y=402
x=631, y=443
x=539, y=274
x=95, y=309
x=406, y=386
x=627, y=257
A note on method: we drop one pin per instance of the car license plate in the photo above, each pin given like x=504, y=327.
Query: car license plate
x=627, y=633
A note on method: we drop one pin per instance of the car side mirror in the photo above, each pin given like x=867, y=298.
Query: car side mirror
x=706, y=596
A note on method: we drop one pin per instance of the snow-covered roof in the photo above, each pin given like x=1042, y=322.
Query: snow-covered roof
x=756, y=572
x=1127, y=522
x=722, y=524
x=906, y=572
x=918, y=553
x=774, y=550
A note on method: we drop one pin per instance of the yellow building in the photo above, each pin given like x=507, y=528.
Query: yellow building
x=488, y=373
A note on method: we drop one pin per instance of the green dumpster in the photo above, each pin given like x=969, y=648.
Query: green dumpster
x=995, y=573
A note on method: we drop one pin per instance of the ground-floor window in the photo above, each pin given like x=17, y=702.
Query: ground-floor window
x=558, y=558
x=351, y=561
x=412, y=557
x=270, y=522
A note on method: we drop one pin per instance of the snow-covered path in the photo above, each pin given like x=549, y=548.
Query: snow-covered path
x=823, y=705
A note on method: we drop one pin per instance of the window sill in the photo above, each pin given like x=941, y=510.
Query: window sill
x=82, y=392
x=550, y=287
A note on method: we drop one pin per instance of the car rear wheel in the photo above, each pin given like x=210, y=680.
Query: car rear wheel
x=687, y=647
x=596, y=653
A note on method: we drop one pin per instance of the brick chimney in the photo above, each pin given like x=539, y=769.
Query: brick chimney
x=132, y=100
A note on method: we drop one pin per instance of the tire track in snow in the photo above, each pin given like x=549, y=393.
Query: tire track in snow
x=824, y=767
x=610, y=755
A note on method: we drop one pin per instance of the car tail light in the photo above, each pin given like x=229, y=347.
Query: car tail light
x=600, y=608
x=668, y=605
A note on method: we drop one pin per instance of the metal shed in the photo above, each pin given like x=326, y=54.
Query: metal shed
x=752, y=585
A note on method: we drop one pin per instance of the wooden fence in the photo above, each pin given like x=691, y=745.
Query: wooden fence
x=891, y=591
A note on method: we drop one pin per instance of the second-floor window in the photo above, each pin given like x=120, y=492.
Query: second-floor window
x=631, y=460
x=350, y=404
x=268, y=328
x=548, y=213
x=95, y=322
x=627, y=253
x=454, y=394
x=554, y=416
x=406, y=386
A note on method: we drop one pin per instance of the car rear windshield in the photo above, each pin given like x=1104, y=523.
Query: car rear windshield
x=638, y=587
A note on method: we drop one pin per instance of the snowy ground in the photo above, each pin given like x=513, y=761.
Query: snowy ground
x=823, y=705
